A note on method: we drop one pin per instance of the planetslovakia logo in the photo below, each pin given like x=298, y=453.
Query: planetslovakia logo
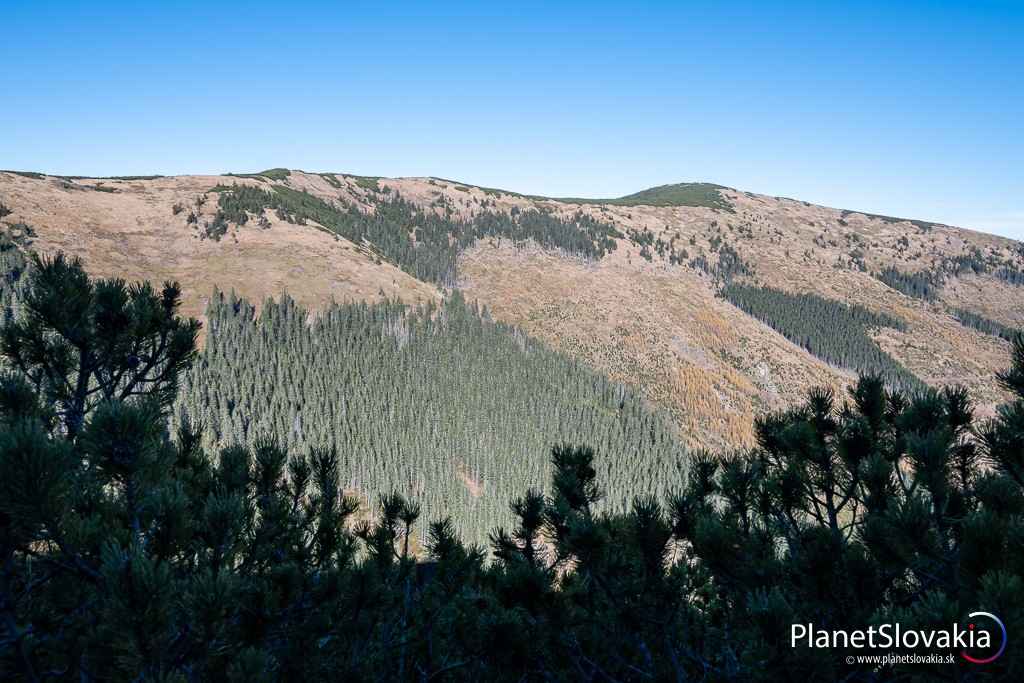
x=888, y=636
x=1002, y=647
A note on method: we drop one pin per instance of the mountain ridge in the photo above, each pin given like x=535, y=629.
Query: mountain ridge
x=648, y=308
x=631, y=199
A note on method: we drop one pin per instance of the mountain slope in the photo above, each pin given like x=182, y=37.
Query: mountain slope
x=633, y=289
x=132, y=229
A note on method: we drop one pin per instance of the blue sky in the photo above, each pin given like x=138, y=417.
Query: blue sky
x=913, y=108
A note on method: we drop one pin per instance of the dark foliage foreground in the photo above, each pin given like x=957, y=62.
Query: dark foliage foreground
x=130, y=555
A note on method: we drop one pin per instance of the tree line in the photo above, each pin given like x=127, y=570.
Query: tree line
x=927, y=283
x=423, y=242
x=833, y=331
x=924, y=284
x=983, y=324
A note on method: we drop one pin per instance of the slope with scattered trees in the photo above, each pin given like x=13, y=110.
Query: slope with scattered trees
x=272, y=240
x=424, y=243
x=835, y=332
x=983, y=324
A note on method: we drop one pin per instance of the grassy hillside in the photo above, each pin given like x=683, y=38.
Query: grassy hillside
x=707, y=195
x=630, y=286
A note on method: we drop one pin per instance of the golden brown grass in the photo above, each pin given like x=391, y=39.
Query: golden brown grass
x=657, y=327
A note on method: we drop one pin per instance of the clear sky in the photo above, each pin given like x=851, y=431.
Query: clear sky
x=905, y=108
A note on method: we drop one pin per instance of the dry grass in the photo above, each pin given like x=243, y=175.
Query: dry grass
x=134, y=234
x=657, y=327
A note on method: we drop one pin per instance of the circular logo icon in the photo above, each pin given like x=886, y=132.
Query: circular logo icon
x=1002, y=646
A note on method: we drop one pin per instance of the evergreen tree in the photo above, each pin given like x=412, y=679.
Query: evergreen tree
x=874, y=511
x=127, y=553
x=80, y=343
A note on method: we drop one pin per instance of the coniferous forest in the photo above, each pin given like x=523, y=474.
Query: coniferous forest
x=833, y=331
x=138, y=542
x=437, y=402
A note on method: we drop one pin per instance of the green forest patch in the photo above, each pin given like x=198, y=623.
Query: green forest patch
x=835, y=332
x=439, y=403
x=707, y=195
